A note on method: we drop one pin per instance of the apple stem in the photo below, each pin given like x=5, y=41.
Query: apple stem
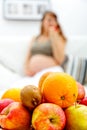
x=75, y=104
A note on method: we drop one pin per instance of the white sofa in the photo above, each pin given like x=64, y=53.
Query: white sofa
x=13, y=52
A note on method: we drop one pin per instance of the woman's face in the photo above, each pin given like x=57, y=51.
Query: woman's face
x=48, y=22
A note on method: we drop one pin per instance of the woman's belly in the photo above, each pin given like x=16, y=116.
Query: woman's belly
x=39, y=62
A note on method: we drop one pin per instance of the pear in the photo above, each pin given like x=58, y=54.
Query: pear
x=30, y=96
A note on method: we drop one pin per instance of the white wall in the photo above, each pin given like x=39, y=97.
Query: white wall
x=72, y=15
x=16, y=28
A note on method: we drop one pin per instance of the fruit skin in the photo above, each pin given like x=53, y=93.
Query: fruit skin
x=83, y=101
x=76, y=117
x=48, y=116
x=81, y=91
x=4, y=103
x=60, y=88
x=15, y=117
x=12, y=93
x=41, y=80
x=30, y=96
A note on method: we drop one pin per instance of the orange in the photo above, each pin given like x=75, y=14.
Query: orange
x=12, y=93
x=60, y=88
x=41, y=80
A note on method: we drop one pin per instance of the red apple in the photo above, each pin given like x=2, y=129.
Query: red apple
x=48, y=116
x=15, y=117
x=81, y=91
x=83, y=101
x=76, y=117
x=4, y=103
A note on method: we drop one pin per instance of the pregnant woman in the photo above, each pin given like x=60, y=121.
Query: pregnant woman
x=48, y=48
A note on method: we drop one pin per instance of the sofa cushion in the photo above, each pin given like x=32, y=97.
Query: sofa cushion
x=77, y=67
x=12, y=53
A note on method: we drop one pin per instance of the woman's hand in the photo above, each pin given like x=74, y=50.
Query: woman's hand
x=53, y=32
x=27, y=70
x=58, y=44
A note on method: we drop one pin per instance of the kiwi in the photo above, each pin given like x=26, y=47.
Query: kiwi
x=30, y=96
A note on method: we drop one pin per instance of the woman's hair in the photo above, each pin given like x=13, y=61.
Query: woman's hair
x=55, y=17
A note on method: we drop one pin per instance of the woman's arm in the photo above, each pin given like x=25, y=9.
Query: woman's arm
x=58, y=45
x=28, y=56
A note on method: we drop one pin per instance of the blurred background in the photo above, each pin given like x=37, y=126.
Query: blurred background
x=18, y=25
x=20, y=21
x=72, y=15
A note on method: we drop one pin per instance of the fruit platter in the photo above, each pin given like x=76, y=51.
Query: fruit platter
x=59, y=102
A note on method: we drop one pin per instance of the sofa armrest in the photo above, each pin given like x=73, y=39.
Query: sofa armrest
x=77, y=67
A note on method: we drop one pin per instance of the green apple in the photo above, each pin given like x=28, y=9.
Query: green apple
x=48, y=116
x=76, y=117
